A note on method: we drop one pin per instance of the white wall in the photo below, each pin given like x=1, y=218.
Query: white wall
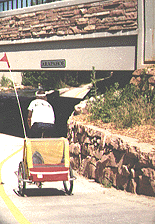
x=16, y=76
x=113, y=52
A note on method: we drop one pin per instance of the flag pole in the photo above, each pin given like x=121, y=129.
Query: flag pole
x=18, y=103
x=5, y=59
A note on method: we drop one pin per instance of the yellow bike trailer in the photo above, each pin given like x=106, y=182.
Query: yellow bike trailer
x=45, y=160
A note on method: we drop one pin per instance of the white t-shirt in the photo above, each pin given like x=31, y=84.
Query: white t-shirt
x=42, y=111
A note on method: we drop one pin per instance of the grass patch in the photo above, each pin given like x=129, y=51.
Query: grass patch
x=106, y=183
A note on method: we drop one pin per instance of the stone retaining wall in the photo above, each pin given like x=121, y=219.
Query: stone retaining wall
x=112, y=159
x=99, y=16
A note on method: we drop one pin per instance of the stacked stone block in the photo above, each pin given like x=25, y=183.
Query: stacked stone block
x=101, y=16
x=111, y=159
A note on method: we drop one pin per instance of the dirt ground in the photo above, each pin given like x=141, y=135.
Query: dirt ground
x=144, y=133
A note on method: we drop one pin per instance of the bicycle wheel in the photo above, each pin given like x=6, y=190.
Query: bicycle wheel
x=68, y=185
x=21, y=177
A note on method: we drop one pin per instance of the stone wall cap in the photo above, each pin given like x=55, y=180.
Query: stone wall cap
x=144, y=147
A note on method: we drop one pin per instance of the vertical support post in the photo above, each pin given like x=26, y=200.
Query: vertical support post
x=149, y=31
x=141, y=30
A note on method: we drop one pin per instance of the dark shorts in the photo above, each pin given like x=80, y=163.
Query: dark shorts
x=39, y=130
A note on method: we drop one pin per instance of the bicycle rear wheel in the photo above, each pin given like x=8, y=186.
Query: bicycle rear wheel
x=68, y=185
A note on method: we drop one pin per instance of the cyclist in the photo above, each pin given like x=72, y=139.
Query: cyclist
x=41, y=117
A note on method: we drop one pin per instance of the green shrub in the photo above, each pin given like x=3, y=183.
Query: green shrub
x=107, y=183
x=125, y=107
x=102, y=107
x=49, y=80
x=54, y=79
x=6, y=82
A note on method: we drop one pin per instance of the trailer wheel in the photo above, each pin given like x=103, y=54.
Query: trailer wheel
x=21, y=175
x=68, y=185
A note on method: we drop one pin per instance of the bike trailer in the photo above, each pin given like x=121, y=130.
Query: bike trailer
x=45, y=160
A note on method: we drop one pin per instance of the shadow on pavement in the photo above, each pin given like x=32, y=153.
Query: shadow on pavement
x=35, y=192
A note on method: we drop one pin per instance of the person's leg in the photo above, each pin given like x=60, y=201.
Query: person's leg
x=49, y=131
x=39, y=130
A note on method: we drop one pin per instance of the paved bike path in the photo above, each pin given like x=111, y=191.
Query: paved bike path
x=10, y=146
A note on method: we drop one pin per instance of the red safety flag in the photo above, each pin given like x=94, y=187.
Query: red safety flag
x=4, y=58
